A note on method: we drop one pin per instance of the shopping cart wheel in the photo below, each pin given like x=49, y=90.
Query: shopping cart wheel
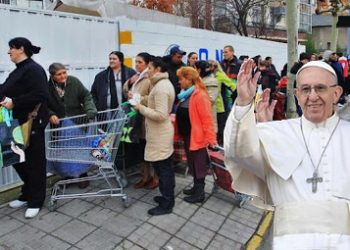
x=52, y=205
x=126, y=201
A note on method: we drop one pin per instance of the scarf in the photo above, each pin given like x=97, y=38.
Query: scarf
x=184, y=94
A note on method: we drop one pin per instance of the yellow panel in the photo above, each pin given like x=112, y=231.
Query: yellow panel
x=128, y=61
x=125, y=37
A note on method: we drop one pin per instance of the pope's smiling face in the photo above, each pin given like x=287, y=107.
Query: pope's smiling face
x=317, y=92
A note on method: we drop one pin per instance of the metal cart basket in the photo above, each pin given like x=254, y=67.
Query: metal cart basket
x=78, y=140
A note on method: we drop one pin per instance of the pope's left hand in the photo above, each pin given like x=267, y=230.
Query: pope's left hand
x=7, y=103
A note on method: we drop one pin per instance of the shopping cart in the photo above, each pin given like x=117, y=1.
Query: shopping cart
x=78, y=140
x=222, y=177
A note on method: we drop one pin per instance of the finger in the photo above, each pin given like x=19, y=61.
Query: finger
x=256, y=77
x=273, y=105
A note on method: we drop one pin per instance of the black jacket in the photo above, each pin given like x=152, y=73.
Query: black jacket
x=172, y=68
x=27, y=86
x=99, y=89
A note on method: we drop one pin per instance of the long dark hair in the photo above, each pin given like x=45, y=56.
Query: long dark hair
x=204, y=67
x=28, y=47
x=145, y=56
x=158, y=62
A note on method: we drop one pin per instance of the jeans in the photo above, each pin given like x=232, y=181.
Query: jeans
x=166, y=180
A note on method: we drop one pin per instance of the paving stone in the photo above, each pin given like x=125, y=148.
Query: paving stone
x=8, y=224
x=5, y=210
x=97, y=216
x=195, y=235
x=99, y=239
x=128, y=245
x=184, y=209
x=113, y=203
x=221, y=243
x=54, y=243
x=136, y=193
x=19, y=214
x=121, y=225
x=50, y=222
x=208, y=219
x=218, y=206
x=178, y=244
x=75, y=207
x=170, y=223
x=148, y=197
x=73, y=231
x=236, y=231
x=254, y=209
x=138, y=210
x=149, y=237
x=246, y=217
x=25, y=237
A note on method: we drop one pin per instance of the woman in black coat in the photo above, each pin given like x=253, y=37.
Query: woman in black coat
x=22, y=91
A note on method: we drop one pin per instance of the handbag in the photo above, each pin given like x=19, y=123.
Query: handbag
x=11, y=140
x=133, y=126
x=27, y=126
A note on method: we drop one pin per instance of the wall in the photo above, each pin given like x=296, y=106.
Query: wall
x=322, y=35
x=155, y=38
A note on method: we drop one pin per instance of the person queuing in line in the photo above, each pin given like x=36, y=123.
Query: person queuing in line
x=173, y=62
x=192, y=58
x=140, y=84
x=298, y=165
x=196, y=125
x=221, y=78
x=230, y=65
x=107, y=88
x=268, y=59
x=68, y=97
x=24, y=89
x=160, y=134
x=211, y=85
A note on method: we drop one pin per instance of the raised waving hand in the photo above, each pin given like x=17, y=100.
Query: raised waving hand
x=246, y=83
x=264, y=109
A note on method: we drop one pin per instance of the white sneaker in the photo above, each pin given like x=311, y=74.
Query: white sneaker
x=31, y=213
x=17, y=204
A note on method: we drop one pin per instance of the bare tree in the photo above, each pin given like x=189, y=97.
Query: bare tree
x=199, y=11
x=259, y=20
x=238, y=11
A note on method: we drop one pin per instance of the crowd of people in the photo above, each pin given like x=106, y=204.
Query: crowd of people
x=200, y=93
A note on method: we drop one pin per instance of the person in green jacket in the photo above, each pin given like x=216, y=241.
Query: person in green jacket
x=221, y=78
x=68, y=97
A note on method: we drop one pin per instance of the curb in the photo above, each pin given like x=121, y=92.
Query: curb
x=257, y=238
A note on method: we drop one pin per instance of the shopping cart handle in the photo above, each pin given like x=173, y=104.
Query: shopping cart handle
x=216, y=148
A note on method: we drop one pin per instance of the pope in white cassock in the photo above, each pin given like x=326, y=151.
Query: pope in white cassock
x=299, y=166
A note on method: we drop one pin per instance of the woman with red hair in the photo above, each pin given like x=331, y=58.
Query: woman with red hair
x=196, y=126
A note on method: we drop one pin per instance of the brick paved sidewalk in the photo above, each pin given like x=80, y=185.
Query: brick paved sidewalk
x=103, y=223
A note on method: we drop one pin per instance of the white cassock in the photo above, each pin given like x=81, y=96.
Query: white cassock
x=270, y=162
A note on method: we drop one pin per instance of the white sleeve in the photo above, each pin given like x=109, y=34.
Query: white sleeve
x=241, y=142
x=241, y=111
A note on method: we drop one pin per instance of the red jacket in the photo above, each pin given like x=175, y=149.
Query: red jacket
x=202, y=123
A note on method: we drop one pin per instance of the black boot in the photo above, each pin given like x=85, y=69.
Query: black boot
x=198, y=195
x=189, y=191
x=164, y=207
